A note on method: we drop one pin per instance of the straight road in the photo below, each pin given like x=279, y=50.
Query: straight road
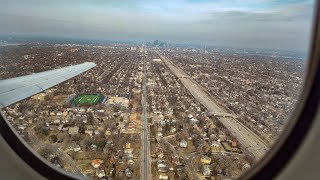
x=252, y=142
x=145, y=143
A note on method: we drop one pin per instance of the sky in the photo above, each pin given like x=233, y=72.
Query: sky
x=235, y=23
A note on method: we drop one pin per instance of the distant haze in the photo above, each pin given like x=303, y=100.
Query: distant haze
x=239, y=23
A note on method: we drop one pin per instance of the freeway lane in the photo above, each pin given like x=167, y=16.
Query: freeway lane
x=252, y=142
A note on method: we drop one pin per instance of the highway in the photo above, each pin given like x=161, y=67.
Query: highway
x=145, y=143
x=252, y=142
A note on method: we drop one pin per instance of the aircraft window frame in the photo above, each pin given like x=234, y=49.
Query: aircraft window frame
x=25, y=152
x=302, y=117
x=268, y=167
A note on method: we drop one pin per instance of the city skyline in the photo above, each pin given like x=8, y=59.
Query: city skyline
x=263, y=24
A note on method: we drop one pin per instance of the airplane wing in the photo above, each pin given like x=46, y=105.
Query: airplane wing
x=16, y=89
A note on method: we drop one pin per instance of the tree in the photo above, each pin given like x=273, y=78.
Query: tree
x=101, y=143
x=45, y=153
x=45, y=131
x=53, y=138
x=217, y=169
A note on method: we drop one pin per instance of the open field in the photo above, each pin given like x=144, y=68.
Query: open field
x=87, y=99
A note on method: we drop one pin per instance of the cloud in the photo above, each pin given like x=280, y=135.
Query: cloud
x=258, y=23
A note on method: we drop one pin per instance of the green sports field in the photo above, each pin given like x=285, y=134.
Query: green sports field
x=87, y=99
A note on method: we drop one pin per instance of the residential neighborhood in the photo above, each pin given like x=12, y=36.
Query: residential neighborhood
x=148, y=122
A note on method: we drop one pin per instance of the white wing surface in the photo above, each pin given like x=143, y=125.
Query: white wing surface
x=16, y=89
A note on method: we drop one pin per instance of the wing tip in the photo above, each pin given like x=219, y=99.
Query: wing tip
x=90, y=63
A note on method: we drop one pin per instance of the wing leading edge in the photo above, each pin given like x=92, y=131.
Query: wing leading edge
x=15, y=89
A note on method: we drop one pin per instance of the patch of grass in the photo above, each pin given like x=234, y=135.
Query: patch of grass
x=87, y=99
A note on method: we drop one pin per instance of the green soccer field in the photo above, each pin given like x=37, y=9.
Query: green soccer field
x=87, y=99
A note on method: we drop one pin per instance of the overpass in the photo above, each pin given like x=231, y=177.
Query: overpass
x=183, y=76
x=222, y=114
x=244, y=135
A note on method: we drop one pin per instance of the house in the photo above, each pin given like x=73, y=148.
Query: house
x=130, y=161
x=115, y=132
x=234, y=143
x=229, y=148
x=22, y=127
x=173, y=130
x=222, y=136
x=108, y=132
x=89, y=132
x=89, y=127
x=93, y=147
x=97, y=132
x=206, y=171
x=163, y=176
x=234, y=147
x=45, y=112
x=96, y=162
x=73, y=130
x=110, y=142
x=112, y=160
x=75, y=147
x=180, y=167
x=100, y=173
x=176, y=160
x=89, y=110
x=65, y=113
x=183, y=143
x=163, y=123
x=57, y=121
x=246, y=166
x=205, y=160
x=111, y=172
x=161, y=164
x=153, y=155
x=128, y=151
x=100, y=110
x=127, y=146
x=60, y=127
x=162, y=170
x=194, y=121
x=85, y=120
x=215, y=146
x=128, y=172
x=160, y=155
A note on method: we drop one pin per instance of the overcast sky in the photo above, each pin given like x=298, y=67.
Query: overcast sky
x=246, y=23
